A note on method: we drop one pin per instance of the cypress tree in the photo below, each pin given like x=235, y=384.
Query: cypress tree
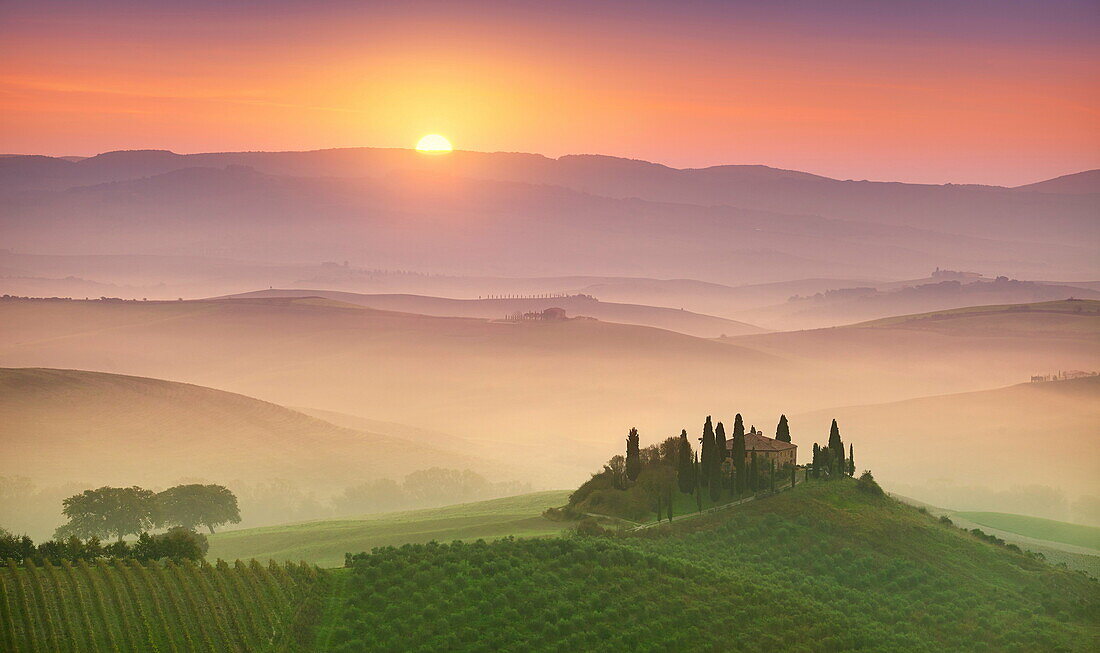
x=836, y=446
x=633, y=456
x=685, y=471
x=815, y=464
x=719, y=446
x=715, y=484
x=698, y=489
x=670, y=504
x=753, y=473
x=707, y=453
x=738, y=451
x=851, y=461
x=783, y=431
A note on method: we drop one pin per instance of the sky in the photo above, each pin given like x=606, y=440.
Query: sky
x=996, y=92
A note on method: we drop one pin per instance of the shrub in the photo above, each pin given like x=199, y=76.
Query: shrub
x=867, y=483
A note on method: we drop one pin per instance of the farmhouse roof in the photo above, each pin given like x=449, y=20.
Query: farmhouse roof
x=760, y=442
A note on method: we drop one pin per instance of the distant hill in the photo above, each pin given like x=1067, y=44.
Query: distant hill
x=1065, y=318
x=712, y=298
x=529, y=386
x=857, y=304
x=64, y=426
x=1081, y=183
x=695, y=324
x=972, y=210
x=940, y=447
x=734, y=225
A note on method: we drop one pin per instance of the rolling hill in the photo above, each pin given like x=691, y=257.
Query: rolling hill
x=948, y=351
x=860, y=572
x=325, y=542
x=400, y=211
x=858, y=304
x=970, y=210
x=66, y=425
x=939, y=448
x=68, y=430
x=1080, y=183
x=548, y=397
x=695, y=324
x=518, y=383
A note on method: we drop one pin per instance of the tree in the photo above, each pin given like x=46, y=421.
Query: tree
x=670, y=505
x=685, y=468
x=698, y=488
x=118, y=511
x=616, y=471
x=633, y=456
x=851, y=460
x=719, y=445
x=715, y=485
x=190, y=506
x=783, y=431
x=815, y=464
x=753, y=474
x=707, y=453
x=836, y=447
x=738, y=451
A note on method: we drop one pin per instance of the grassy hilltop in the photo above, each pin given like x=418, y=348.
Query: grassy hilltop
x=823, y=567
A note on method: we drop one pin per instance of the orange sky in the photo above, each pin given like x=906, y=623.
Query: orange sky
x=911, y=92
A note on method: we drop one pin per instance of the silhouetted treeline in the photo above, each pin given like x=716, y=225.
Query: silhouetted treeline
x=176, y=544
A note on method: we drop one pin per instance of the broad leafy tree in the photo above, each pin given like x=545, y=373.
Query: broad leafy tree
x=108, y=511
x=190, y=506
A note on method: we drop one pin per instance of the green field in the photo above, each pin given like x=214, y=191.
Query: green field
x=823, y=567
x=325, y=542
x=128, y=606
x=1040, y=529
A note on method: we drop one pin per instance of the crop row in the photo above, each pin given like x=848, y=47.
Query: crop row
x=124, y=605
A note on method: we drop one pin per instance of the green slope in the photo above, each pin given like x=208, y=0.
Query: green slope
x=823, y=567
x=1040, y=529
x=325, y=542
x=128, y=606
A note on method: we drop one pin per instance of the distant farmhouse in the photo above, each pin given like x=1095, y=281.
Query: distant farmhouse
x=767, y=449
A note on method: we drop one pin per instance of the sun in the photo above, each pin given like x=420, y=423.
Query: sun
x=434, y=143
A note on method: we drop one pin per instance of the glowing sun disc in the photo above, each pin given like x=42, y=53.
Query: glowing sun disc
x=434, y=143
